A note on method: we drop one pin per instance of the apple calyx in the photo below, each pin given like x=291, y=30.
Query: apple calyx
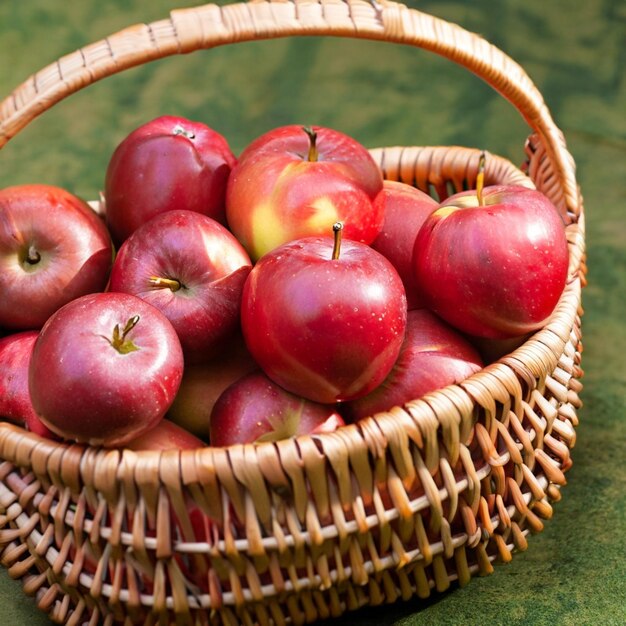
x=313, y=154
x=179, y=129
x=32, y=257
x=337, y=228
x=480, y=179
x=119, y=341
x=282, y=428
x=165, y=283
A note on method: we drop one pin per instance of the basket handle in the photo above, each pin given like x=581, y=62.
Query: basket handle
x=208, y=26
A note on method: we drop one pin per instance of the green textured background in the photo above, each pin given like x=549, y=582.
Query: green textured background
x=574, y=572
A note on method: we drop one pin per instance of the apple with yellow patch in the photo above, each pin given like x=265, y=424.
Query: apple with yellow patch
x=256, y=409
x=295, y=182
x=493, y=263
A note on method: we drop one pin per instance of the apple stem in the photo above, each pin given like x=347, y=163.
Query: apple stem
x=337, y=228
x=480, y=179
x=119, y=341
x=163, y=283
x=181, y=130
x=130, y=324
x=313, y=154
x=33, y=256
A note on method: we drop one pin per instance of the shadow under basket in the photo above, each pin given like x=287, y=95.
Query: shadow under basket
x=404, y=503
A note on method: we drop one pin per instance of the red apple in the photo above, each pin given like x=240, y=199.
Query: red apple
x=255, y=409
x=405, y=208
x=433, y=356
x=295, y=182
x=190, y=268
x=53, y=248
x=15, y=353
x=495, y=269
x=203, y=384
x=165, y=436
x=168, y=163
x=15, y=402
x=105, y=369
x=324, y=323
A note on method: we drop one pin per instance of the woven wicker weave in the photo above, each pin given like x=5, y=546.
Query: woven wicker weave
x=400, y=504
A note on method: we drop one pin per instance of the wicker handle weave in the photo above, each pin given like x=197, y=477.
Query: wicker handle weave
x=210, y=25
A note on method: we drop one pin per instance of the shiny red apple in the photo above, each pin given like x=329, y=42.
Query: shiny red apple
x=105, y=369
x=168, y=163
x=192, y=269
x=324, y=322
x=15, y=353
x=405, y=208
x=294, y=182
x=433, y=356
x=53, y=248
x=494, y=269
x=255, y=409
x=15, y=403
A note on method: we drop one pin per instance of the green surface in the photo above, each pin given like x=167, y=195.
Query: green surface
x=574, y=572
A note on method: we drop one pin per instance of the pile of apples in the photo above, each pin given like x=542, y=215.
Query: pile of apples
x=209, y=299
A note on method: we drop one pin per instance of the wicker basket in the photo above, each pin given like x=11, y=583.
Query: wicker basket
x=400, y=504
